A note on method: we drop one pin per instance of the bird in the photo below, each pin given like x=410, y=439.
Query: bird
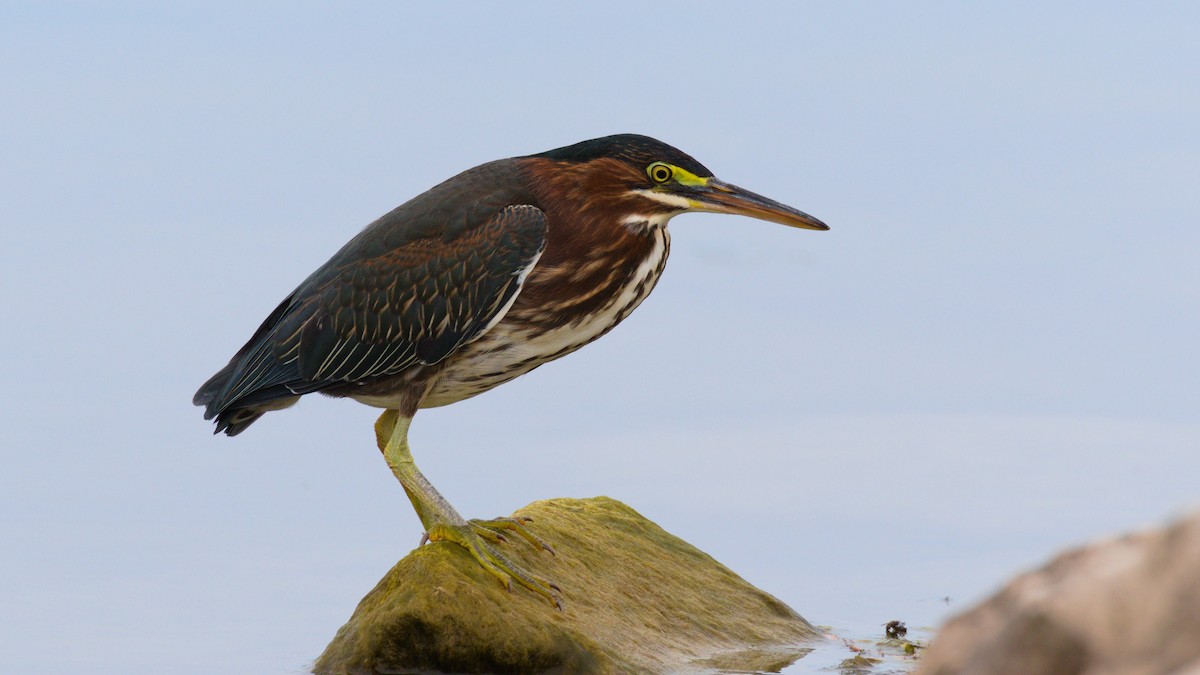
x=477, y=281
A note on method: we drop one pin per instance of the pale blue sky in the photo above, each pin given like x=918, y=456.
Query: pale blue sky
x=992, y=353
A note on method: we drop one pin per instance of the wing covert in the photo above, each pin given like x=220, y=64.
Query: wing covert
x=417, y=303
x=366, y=316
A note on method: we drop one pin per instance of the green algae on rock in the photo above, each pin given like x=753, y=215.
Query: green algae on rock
x=636, y=600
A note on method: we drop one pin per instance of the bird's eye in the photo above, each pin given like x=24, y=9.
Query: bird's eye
x=659, y=172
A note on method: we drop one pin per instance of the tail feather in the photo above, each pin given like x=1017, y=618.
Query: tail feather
x=235, y=420
x=209, y=392
x=234, y=416
x=236, y=412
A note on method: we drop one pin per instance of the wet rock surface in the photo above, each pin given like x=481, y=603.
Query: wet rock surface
x=636, y=600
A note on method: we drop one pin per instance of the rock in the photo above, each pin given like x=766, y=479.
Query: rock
x=1128, y=606
x=636, y=600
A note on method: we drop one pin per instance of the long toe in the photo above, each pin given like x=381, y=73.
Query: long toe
x=494, y=529
x=469, y=536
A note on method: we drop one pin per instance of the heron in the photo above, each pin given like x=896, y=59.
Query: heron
x=481, y=279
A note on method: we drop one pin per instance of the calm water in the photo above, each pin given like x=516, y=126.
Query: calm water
x=248, y=560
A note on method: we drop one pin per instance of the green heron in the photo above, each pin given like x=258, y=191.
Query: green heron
x=481, y=279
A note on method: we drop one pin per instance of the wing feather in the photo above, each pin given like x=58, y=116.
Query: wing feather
x=378, y=314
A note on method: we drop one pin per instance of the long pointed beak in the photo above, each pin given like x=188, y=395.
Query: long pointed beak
x=719, y=197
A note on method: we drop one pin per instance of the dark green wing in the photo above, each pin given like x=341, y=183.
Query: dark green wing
x=394, y=297
x=415, y=304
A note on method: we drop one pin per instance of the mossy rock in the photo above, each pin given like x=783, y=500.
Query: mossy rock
x=636, y=600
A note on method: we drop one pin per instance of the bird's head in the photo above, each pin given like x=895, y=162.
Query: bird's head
x=638, y=179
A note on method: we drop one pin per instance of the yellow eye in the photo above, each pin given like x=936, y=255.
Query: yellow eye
x=659, y=172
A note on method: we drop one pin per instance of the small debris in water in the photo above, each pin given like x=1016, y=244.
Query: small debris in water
x=895, y=629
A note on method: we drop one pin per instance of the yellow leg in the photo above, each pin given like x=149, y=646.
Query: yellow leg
x=442, y=522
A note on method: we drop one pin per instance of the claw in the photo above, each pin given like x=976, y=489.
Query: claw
x=488, y=528
x=491, y=535
x=474, y=537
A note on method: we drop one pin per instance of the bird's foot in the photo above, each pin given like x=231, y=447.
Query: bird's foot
x=494, y=530
x=475, y=537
